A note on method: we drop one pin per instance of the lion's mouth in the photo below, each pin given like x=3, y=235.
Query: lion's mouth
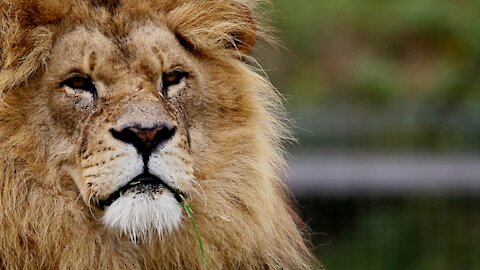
x=142, y=183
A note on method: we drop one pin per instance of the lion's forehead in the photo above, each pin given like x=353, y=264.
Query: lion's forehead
x=76, y=44
x=145, y=50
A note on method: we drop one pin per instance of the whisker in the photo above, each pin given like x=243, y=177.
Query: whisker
x=89, y=205
x=103, y=161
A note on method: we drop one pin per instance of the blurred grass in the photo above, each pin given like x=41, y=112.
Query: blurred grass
x=392, y=75
x=422, y=56
x=378, y=52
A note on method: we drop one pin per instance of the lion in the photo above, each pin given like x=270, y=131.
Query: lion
x=117, y=115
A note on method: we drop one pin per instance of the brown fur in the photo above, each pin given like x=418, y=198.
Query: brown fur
x=236, y=133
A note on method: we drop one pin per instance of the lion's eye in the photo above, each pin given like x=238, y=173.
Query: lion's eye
x=80, y=83
x=173, y=78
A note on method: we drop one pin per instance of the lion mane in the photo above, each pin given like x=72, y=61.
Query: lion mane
x=235, y=137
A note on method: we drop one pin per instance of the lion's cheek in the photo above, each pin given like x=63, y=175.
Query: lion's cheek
x=63, y=118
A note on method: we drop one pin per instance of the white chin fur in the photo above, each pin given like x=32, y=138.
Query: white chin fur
x=143, y=216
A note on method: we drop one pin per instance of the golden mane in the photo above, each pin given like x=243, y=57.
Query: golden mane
x=42, y=227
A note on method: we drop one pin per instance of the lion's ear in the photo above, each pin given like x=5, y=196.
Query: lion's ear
x=213, y=26
x=244, y=37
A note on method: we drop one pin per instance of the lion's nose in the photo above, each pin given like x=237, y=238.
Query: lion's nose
x=145, y=139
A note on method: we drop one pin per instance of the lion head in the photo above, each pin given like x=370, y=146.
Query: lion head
x=117, y=112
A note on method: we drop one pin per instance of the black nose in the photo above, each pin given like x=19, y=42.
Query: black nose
x=145, y=139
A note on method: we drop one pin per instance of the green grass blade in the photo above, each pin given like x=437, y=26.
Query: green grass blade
x=189, y=212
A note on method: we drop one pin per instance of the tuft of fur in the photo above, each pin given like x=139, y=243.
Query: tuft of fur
x=136, y=207
x=241, y=207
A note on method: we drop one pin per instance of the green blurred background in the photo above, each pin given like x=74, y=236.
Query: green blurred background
x=386, y=105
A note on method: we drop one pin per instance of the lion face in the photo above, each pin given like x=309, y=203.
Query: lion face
x=114, y=112
x=120, y=104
